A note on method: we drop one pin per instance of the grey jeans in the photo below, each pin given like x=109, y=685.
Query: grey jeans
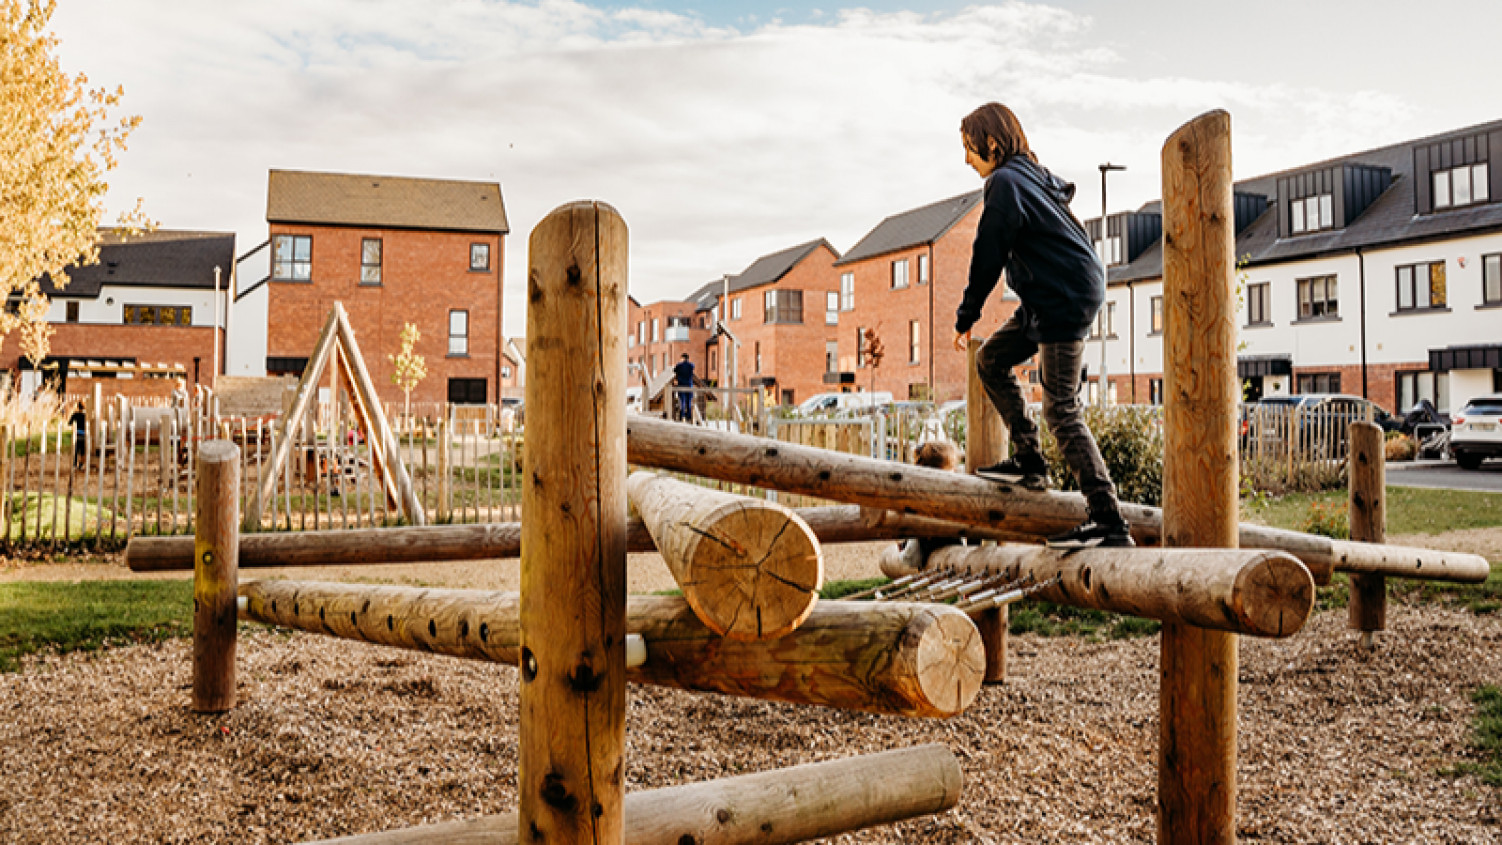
x=1059, y=366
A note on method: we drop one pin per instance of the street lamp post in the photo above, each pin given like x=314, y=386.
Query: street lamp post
x=1104, y=385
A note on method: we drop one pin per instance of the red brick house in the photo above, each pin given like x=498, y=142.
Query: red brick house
x=145, y=311
x=905, y=279
x=394, y=250
x=782, y=309
x=659, y=333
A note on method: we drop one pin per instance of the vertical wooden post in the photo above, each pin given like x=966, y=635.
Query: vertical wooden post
x=1367, y=609
x=216, y=555
x=444, y=470
x=986, y=442
x=1197, y=742
x=573, y=568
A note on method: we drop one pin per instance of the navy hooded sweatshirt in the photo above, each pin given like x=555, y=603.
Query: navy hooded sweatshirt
x=1027, y=229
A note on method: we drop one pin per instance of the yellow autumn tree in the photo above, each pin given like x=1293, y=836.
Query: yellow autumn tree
x=58, y=139
x=409, y=368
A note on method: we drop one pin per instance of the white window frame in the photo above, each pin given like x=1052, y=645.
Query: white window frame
x=831, y=308
x=924, y=268
x=1491, y=279
x=459, y=340
x=914, y=342
x=1445, y=185
x=899, y=273
x=847, y=291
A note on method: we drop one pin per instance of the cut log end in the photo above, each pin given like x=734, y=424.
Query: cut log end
x=761, y=579
x=1274, y=596
x=950, y=660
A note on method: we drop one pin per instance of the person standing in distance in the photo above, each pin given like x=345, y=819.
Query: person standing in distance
x=1027, y=229
x=683, y=376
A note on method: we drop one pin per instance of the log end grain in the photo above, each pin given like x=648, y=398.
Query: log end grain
x=949, y=659
x=1273, y=596
x=759, y=577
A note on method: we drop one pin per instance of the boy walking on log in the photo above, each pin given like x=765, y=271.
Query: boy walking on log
x=1027, y=229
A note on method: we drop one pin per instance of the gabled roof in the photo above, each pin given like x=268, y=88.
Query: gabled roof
x=164, y=258
x=706, y=297
x=769, y=268
x=913, y=228
x=1390, y=220
x=391, y=202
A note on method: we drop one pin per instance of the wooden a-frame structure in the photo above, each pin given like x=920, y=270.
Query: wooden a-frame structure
x=337, y=342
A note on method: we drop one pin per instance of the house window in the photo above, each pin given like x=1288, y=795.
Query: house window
x=656, y=333
x=831, y=308
x=285, y=366
x=1312, y=214
x=1155, y=391
x=735, y=308
x=714, y=360
x=758, y=357
x=1105, y=320
x=923, y=269
x=292, y=258
x=1491, y=279
x=1155, y=326
x=860, y=348
x=505, y=371
x=1458, y=186
x=899, y=273
x=370, y=261
x=784, y=306
x=467, y=391
x=159, y=315
x=1257, y=298
x=459, y=333
x=479, y=256
x=831, y=356
x=1421, y=286
x=1109, y=250
x=1318, y=298
x=1319, y=383
x=847, y=291
x=72, y=312
x=1414, y=386
x=914, y=341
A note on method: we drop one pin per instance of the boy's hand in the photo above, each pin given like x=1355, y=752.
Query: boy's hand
x=962, y=341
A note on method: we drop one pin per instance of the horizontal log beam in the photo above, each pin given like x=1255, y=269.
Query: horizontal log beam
x=1010, y=508
x=906, y=659
x=778, y=807
x=1408, y=562
x=1244, y=591
x=496, y=540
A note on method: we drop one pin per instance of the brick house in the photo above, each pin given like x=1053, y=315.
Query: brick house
x=394, y=250
x=782, y=309
x=145, y=311
x=514, y=368
x=1377, y=274
x=659, y=333
x=905, y=279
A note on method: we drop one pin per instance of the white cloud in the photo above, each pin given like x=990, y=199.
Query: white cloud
x=716, y=145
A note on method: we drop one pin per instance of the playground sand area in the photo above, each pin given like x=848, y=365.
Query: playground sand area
x=333, y=737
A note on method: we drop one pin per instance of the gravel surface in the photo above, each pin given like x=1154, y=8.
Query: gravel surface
x=334, y=738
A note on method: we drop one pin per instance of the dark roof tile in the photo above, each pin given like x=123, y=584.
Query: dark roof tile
x=397, y=202
x=164, y=258
x=912, y=228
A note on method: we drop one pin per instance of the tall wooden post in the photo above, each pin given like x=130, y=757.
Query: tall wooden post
x=986, y=441
x=1368, y=462
x=1197, y=742
x=216, y=552
x=573, y=566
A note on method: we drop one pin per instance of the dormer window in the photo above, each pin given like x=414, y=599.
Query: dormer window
x=1311, y=214
x=1109, y=250
x=1460, y=186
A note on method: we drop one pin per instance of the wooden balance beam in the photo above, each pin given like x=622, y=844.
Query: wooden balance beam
x=488, y=541
x=749, y=568
x=778, y=807
x=1243, y=591
x=905, y=659
x=1009, y=508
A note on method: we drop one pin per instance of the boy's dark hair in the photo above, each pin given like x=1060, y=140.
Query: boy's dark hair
x=938, y=454
x=994, y=120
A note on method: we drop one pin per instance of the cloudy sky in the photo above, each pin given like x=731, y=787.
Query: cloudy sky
x=723, y=131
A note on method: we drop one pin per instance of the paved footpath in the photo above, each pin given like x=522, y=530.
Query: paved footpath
x=1446, y=475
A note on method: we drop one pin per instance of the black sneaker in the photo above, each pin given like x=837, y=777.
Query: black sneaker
x=1109, y=534
x=1029, y=469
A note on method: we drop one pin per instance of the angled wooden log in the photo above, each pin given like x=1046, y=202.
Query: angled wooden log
x=444, y=543
x=896, y=658
x=1245, y=591
x=778, y=807
x=751, y=569
x=1008, y=511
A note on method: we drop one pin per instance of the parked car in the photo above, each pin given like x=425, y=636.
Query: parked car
x=1323, y=419
x=829, y=403
x=1476, y=432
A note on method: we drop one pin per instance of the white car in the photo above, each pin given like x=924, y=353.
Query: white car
x=1476, y=432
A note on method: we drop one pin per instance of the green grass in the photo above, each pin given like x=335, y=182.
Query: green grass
x=1486, y=737
x=1410, y=510
x=66, y=616
x=37, y=510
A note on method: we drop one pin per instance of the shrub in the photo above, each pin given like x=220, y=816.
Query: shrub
x=1327, y=520
x=1130, y=438
x=1399, y=447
